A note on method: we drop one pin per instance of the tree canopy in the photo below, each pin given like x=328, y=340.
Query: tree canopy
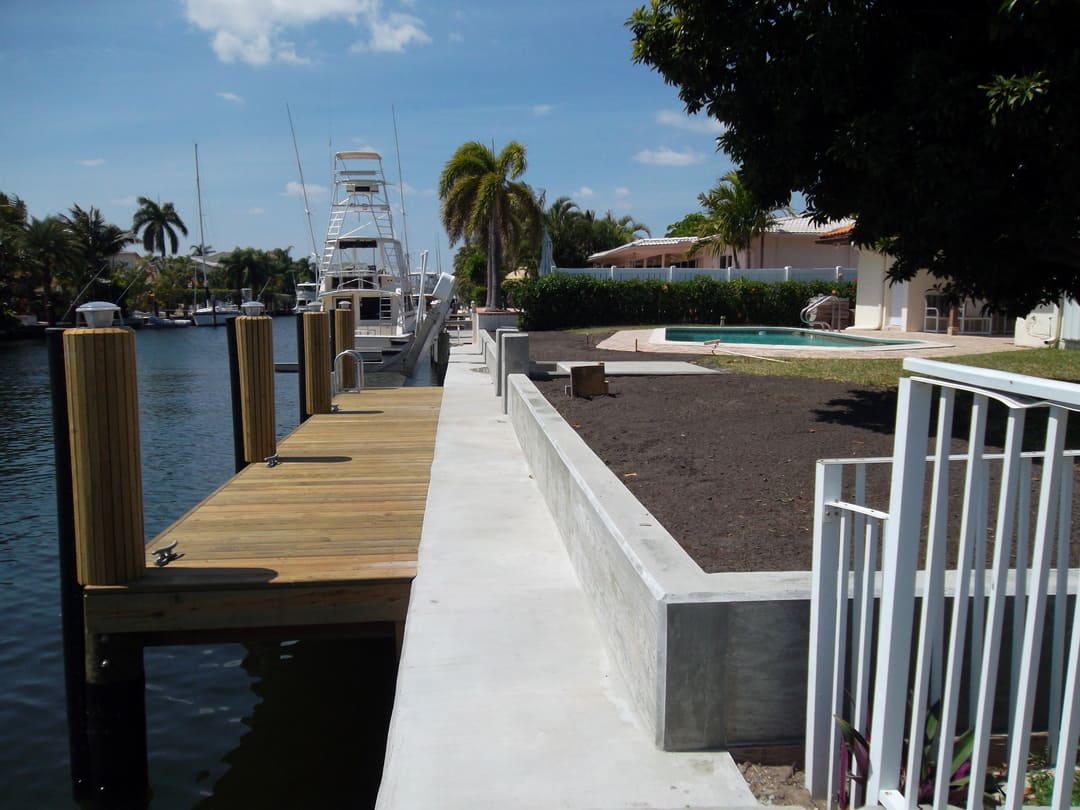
x=947, y=130
x=576, y=234
x=159, y=224
x=733, y=217
x=484, y=200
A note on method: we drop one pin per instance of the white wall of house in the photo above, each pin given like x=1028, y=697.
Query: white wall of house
x=800, y=250
x=880, y=305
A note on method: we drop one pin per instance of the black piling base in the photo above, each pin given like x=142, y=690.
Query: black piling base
x=115, y=696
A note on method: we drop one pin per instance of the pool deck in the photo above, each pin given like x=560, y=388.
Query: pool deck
x=935, y=345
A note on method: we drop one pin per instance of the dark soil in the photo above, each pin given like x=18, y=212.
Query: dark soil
x=726, y=462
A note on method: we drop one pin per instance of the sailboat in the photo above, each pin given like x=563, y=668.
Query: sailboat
x=213, y=312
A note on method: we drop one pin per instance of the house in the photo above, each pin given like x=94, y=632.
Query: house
x=789, y=242
x=917, y=305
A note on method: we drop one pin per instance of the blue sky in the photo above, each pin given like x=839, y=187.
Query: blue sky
x=103, y=102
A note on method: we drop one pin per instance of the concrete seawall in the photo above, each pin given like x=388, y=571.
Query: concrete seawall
x=710, y=660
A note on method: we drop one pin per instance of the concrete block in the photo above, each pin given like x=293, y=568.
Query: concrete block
x=497, y=371
x=514, y=358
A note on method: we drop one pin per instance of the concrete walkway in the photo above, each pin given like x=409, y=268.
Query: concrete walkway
x=506, y=697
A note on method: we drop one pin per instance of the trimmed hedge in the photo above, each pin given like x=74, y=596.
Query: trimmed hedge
x=564, y=301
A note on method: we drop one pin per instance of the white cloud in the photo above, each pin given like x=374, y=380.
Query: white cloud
x=225, y=94
x=541, y=109
x=392, y=34
x=455, y=37
x=258, y=212
x=665, y=156
x=92, y=162
x=294, y=189
x=253, y=31
x=696, y=123
x=621, y=192
x=413, y=191
x=583, y=193
x=124, y=201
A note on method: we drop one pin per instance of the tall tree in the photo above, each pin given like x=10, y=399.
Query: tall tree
x=48, y=251
x=947, y=129
x=484, y=201
x=159, y=224
x=96, y=240
x=733, y=217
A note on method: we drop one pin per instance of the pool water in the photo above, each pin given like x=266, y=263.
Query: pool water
x=777, y=336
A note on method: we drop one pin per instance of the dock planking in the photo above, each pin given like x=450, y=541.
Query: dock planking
x=328, y=536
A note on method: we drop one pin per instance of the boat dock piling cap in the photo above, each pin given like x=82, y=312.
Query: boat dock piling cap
x=98, y=314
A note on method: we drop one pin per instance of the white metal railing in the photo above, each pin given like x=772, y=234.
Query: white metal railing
x=1009, y=516
x=762, y=274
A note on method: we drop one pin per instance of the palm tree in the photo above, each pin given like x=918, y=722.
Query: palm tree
x=733, y=217
x=484, y=201
x=97, y=241
x=48, y=250
x=158, y=223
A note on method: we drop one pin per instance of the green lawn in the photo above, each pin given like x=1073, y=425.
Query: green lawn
x=1056, y=364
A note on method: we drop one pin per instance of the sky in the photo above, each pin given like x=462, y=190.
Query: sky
x=104, y=102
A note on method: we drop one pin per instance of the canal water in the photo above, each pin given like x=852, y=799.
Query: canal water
x=296, y=724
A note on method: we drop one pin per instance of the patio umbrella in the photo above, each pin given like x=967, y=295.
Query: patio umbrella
x=545, y=255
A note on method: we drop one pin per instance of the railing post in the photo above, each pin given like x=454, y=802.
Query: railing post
x=899, y=560
x=820, y=727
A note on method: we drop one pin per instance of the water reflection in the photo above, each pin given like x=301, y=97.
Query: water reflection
x=227, y=725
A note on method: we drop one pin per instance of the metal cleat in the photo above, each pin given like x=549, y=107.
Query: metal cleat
x=165, y=555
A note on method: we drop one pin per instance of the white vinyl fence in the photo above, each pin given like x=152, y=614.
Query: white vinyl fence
x=762, y=274
x=895, y=630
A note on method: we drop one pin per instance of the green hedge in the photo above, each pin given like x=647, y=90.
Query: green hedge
x=564, y=301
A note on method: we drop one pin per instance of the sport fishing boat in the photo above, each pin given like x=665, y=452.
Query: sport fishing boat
x=363, y=266
x=365, y=269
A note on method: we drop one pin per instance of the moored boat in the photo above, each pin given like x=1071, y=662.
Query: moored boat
x=363, y=265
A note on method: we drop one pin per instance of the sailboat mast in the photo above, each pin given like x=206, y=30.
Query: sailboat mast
x=198, y=197
x=401, y=193
x=303, y=185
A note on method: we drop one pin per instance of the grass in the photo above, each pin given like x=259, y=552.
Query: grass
x=1054, y=364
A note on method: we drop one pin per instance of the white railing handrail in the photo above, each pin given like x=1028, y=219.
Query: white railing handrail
x=846, y=581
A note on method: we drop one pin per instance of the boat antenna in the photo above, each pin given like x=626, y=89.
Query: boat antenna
x=401, y=191
x=303, y=185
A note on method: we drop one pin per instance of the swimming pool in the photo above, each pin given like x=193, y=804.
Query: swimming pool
x=780, y=336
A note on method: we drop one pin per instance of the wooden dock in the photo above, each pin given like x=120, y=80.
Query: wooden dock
x=328, y=537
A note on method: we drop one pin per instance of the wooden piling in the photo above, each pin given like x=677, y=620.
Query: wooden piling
x=106, y=468
x=116, y=721
x=255, y=367
x=301, y=368
x=345, y=340
x=71, y=593
x=106, y=496
x=317, y=361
